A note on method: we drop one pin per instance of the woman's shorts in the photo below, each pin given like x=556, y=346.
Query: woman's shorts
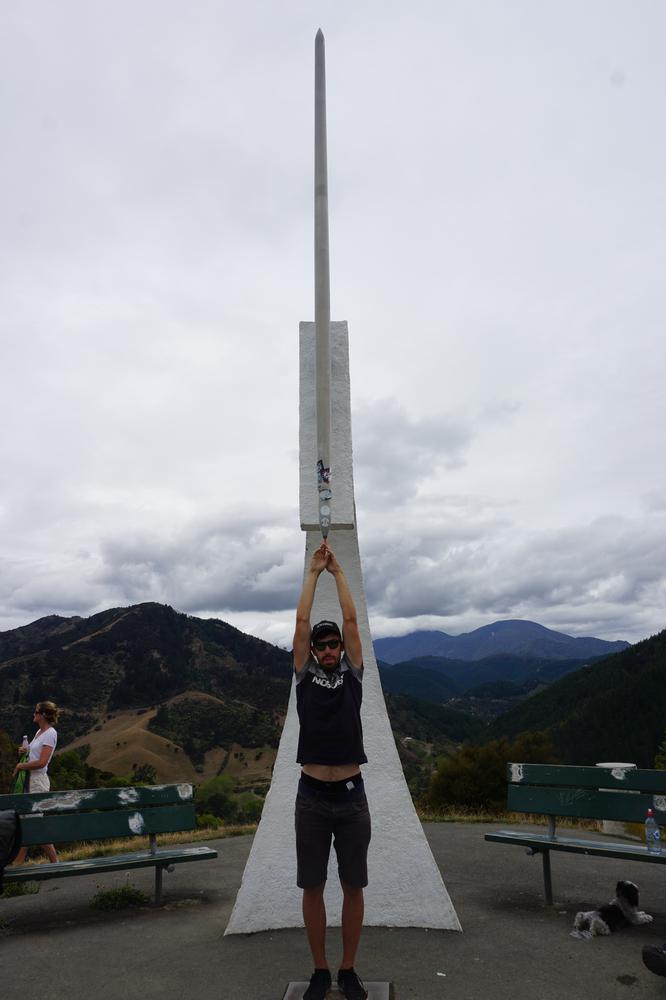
x=39, y=782
x=332, y=811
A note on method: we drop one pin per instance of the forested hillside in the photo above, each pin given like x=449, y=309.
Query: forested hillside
x=439, y=679
x=613, y=710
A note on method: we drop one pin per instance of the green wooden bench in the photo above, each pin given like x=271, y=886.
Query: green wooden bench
x=103, y=813
x=621, y=794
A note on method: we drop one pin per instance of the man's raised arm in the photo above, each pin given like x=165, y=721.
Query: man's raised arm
x=350, y=634
x=303, y=627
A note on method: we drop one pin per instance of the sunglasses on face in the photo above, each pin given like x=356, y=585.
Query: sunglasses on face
x=331, y=643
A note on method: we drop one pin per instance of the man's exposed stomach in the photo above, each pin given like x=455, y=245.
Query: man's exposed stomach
x=331, y=772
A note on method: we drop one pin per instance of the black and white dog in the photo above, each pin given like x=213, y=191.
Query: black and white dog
x=620, y=912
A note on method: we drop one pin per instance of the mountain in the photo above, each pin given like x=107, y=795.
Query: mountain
x=436, y=673
x=152, y=662
x=483, y=688
x=424, y=721
x=189, y=697
x=420, y=682
x=520, y=638
x=425, y=733
x=614, y=709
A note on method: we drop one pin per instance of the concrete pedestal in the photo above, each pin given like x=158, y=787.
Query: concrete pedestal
x=376, y=991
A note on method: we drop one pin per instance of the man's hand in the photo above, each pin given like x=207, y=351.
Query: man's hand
x=320, y=557
x=332, y=565
x=350, y=635
x=318, y=564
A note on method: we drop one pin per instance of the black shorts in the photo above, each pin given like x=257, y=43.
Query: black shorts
x=332, y=811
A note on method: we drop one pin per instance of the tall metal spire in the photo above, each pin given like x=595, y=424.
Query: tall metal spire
x=322, y=294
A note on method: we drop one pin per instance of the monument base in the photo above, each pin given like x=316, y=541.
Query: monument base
x=376, y=991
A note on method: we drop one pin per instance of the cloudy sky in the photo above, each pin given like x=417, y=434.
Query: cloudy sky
x=498, y=239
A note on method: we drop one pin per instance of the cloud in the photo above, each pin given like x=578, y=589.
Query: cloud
x=395, y=452
x=599, y=576
x=239, y=564
x=497, y=227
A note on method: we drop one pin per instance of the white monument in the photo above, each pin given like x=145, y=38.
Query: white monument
x=405, y=887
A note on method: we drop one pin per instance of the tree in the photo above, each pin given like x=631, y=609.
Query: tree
x=68, y=770
x=249, y=807
x=216, y=797
x=144, y=774
x=8, y=760
x=660, y=756
x=476, y=776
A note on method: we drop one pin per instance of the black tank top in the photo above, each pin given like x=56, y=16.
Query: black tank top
x=329, y=711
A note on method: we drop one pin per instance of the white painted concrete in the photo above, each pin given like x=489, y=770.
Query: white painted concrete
x=405, y=886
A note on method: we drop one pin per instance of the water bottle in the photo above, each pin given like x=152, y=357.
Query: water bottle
x=652, y=837
x=26, y=744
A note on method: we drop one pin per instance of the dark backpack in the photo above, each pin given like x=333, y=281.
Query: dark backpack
x=10, y=838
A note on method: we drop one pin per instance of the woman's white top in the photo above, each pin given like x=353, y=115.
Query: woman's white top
x=47, y=738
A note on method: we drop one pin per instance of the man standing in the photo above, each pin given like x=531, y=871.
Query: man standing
x=331, y=800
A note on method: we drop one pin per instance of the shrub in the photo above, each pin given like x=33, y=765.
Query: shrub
x=8, y=760
x=117, y=899
x=660, y=757
x=144, y=774
x=13, y=889
x=216, y=797
x=249, y=808
x=205, y=820
x=476, y=776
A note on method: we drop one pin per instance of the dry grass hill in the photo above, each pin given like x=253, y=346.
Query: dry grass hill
x=122, y=741
x=193, y=698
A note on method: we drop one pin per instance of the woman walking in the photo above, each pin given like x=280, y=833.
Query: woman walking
x=40, y=752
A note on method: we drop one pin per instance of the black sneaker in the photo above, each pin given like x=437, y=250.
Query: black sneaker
x=655, y=959
x=350, y=984
x=320, y=984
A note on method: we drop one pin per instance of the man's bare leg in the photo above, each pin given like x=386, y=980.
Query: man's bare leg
x=48, y=849
x=353, y=907
x=314, y=917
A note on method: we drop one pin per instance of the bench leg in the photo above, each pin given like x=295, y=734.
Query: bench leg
x=158, y=885
x=547, y=884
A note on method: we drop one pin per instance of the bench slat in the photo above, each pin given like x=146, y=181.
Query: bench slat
x=116, y=862
x=59, y=828
x=585, y=803
x=98, y=798
x=565, y=775
x=575, y=845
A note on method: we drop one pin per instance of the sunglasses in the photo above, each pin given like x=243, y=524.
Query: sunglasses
x=331, y=643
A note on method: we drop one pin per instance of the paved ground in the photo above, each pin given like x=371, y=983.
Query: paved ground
x=512, y=945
